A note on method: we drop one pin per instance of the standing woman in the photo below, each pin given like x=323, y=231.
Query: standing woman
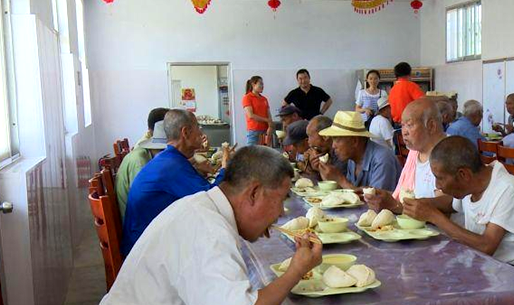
x=366, y=103
x=257, y=112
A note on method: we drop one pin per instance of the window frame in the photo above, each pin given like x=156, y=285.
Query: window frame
x=10, y=84
x=458, y=8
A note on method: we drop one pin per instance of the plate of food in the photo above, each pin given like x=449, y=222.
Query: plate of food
x=332, y=278
x=334, y=200
x=330, y=230
x=385, y=226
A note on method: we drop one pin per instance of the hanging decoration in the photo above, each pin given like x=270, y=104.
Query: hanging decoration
x=108, y=1
x=274, y=4
x=369, y=6
x=201, y=5
x=416, y=5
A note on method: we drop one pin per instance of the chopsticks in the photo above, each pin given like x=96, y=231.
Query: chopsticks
x=295, y=234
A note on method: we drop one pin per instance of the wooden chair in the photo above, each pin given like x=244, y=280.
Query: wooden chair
x=488, y=147
x=121, y=148
x=108, y=184
x=401, y=149
x=505, y=153
x=106, y=230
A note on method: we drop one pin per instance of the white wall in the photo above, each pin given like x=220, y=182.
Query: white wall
x=129, y=47
x=497, y=36
x=465, y=77
x=204, y=79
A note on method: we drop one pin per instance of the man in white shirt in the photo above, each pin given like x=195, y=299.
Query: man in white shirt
x=381, y=125
x=422, y=129
x=483, y=193
x=190, y=253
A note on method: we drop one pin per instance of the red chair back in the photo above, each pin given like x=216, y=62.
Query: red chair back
x=108, y=184
x=106, y=230
x=490, y=147
x=505, y=153
x=401, y=149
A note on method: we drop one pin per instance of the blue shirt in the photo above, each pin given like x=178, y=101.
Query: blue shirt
x=380, y=168
x=166, y=178
x=463, y=127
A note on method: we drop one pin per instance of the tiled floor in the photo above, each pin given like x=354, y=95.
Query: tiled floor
x=87, y=284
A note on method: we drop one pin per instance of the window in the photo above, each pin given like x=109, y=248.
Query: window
x=83, y=63
x=8, y=126
x=464, y=32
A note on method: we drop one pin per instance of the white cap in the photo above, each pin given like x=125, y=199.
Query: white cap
x=158, y=140
x=382, y=103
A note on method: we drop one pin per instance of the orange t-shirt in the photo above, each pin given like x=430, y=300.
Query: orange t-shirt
x=260, y=107
x=403, y=92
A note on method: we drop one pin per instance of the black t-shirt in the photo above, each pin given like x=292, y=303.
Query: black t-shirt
x=309, y=103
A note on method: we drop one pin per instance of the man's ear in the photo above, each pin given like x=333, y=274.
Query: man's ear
x=252, y=191
x=465, y=174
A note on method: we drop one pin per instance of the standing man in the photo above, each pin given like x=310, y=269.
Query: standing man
x=308, y=98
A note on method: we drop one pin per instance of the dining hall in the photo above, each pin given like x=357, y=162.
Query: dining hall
x=195, y=152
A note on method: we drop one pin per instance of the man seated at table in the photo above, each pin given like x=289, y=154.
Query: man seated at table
x=167, y=177
x=369, y=163
x=156, y=115
x=296, y=137
x=483, y=193
x=190, y=254
x=308, y=98
x=288, y=115
x=134, y=161
x=509, y=128
x=319, y=146
x=468, y=125
x=422, y=129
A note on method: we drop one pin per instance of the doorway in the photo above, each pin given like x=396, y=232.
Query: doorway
x=204, y=89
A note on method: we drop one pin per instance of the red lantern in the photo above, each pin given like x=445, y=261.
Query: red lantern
x=274, y=4
x=416, y=5
x=108, y=1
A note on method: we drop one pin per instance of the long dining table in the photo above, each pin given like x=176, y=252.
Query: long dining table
x=434, y=271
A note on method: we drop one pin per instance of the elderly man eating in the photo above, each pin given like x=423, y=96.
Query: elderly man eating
x=422, y=129
x=369, y=163
x=167, y=177
x=321, y=146
x=468, y=125
x=482, y=193
x=190, y=254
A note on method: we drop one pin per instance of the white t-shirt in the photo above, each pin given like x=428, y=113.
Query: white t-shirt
x=189, y=254
x=424, y=185
x=383, y=130
x=496, y=206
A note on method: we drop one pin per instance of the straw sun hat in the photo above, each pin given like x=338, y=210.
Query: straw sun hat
x=347, y=124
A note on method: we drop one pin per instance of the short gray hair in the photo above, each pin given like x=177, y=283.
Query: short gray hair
x=322, y=122
x=257, y=163
x=444, y=107
x=175, y=120
x=472, y=107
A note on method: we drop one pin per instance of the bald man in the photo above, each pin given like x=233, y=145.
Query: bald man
x=422, y=129
x=482, y=193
